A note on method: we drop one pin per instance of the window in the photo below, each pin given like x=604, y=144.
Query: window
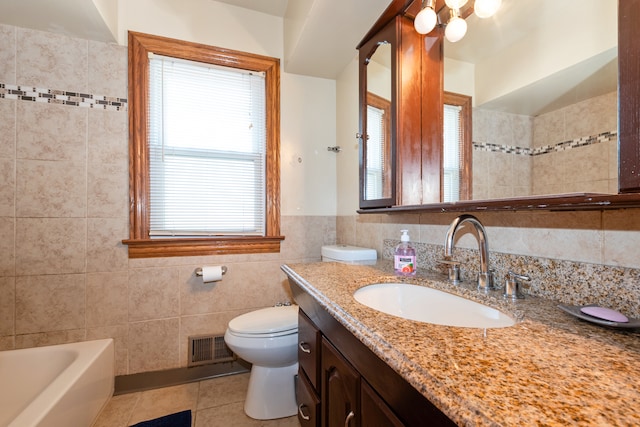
x=204, y=149
x=378, y=179
x=456, y=162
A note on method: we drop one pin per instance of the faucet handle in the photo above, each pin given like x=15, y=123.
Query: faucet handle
x=453, y=270
x=512, y=286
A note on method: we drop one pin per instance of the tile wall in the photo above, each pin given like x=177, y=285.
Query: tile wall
x=572, y=149
x=64, y=273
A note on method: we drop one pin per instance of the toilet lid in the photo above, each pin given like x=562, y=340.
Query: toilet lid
x=266, y=321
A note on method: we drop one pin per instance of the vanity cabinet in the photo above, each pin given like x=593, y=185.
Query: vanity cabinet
x=341, y=382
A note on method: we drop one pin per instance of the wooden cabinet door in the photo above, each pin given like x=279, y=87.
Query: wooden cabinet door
x=374, y=411
x=340, y=385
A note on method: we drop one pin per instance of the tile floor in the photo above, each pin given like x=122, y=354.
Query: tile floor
x=213, y=403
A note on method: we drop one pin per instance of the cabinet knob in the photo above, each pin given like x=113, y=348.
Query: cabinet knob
x=304, y=347
x=347, y=420
x=301, y=408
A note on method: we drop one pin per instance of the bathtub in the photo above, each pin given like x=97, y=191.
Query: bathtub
x=59, y=385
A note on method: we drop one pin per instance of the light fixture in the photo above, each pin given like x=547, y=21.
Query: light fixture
x=486, y=8
x=426, y=19
x=456, y=27
x=455, y=4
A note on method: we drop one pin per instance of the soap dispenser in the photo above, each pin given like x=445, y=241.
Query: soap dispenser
x=405, y=256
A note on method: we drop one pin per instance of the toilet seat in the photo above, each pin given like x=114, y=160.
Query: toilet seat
x=267, y=322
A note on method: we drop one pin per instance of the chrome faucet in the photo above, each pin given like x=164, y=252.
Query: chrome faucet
x=485, y=277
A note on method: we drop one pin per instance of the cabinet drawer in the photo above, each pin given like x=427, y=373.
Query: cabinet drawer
x=308, y=348
x=308, y=402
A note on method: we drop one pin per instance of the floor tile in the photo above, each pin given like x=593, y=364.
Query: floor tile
x=222, y=391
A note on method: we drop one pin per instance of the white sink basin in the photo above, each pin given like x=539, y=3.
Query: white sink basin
x=431, y=306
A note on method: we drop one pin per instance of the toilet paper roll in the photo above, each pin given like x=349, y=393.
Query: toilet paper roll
x=212, y=273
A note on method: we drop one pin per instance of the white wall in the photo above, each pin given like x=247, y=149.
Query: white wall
x=347, y=128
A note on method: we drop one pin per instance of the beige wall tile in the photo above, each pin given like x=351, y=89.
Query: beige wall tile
x=42, y=339
x=60, y=134
x=108, y=138
x=7, y=187
x=7, y=247
x=50, y=245
x=308, y=234
x=7, y=343
x=549, y=129
x=153, y=294
x=245, y=286
x=7, y=305
x=108, y=190
x=49, y=60
x=8, y=54
x=622, y=238
x=50, y=303
x=51, y=189
x=154, y=345
x=107, y=299
x=7, y=125
x=592, y=116
x=346, y=230
x=105, y=251
x=120, y=335
x=107, y=73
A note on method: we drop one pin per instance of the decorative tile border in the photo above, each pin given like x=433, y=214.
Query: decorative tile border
x=561, y=146
x=53, y=96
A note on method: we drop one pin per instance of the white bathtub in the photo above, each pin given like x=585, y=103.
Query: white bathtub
x=60, y=385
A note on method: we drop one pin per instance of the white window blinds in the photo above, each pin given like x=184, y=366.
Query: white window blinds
x=452, y=153
x=207, y=138
x=375, y=153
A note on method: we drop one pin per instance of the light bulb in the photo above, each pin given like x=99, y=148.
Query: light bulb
x=486, y=8
x=425, y=20
x=456, y=29
x=455, y=4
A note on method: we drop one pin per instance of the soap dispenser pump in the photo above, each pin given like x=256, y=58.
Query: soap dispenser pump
x=405, y=256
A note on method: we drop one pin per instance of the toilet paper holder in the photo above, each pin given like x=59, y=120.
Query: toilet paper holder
x=198, y=271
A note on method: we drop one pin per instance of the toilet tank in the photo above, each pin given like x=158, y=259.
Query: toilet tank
x=349, y=254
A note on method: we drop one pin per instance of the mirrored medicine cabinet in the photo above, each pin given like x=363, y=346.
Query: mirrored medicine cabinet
x=401, y=92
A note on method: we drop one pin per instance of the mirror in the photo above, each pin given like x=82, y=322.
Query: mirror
x=545, y=97
x=377, y=95
x=378, y=146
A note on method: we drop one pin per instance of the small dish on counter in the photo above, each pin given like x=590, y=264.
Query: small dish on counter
x=576, y=310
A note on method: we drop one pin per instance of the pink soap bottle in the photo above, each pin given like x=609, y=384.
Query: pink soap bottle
x=405, y=256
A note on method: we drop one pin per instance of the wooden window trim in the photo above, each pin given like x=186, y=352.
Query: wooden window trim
x=466, y=174
x=139, y=243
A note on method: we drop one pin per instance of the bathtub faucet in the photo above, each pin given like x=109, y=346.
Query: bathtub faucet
x=485, y=277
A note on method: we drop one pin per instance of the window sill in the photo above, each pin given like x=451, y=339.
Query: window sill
x=154, y=248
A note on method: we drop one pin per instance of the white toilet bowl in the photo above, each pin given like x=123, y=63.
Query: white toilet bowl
x=268, y=339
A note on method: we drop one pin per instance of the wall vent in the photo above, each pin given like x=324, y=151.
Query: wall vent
x=205, y=349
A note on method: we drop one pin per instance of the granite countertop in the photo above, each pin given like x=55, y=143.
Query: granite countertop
x=550, y=368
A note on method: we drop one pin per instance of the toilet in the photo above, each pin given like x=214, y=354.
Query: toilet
x=348, y=254
x=268, y=339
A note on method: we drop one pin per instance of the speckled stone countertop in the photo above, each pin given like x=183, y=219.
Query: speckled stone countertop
x=548, y=369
